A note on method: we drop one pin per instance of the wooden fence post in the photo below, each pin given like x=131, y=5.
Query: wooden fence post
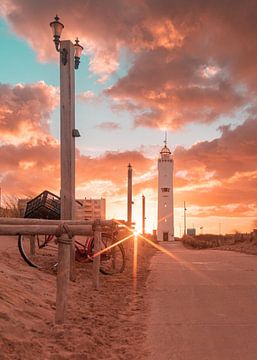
x=63, y=276
x=97, y=247
x=32, y=244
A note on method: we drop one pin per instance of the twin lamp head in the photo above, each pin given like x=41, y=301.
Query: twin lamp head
x=57, y=28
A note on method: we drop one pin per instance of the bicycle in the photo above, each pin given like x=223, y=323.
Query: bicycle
x=40, y=251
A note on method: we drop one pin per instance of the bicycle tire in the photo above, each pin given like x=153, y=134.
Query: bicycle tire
x=113, y=260
x=44, y=257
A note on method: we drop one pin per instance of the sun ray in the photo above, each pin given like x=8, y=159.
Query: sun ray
x=124, y=225
x=111, y=246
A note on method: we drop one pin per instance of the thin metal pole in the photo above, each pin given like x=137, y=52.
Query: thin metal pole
x=185, y=224
x=143, y=214
x=129, y=218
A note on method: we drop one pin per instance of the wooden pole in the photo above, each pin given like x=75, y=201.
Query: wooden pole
x=27, y=221
x=96, y=261
x=135, y=255
x=32, y=244
x=43, y=229
x=67, y=99
x=63, y=277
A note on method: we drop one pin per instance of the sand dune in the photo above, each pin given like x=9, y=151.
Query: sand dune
x=104, y=324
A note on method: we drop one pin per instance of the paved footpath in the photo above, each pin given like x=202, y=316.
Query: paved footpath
x=203, y=305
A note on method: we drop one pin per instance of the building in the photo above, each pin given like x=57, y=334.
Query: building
x=165, y=227
x=90, y=209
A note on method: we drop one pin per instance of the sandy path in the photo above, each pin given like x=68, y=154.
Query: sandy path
x=203, y=308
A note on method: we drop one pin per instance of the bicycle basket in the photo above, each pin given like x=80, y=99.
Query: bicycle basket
x=44, y=206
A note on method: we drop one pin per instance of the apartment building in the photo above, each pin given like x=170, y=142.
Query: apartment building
x=91, y=209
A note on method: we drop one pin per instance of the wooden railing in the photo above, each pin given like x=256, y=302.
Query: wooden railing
x=64, y=230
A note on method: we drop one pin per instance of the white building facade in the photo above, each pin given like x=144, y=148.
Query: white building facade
x=165, y=226
x=91, y=209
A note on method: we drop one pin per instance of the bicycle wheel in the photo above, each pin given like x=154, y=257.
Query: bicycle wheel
x=112, y=261
x=40, y=251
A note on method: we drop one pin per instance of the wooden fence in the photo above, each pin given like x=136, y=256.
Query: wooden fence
x=64, y=230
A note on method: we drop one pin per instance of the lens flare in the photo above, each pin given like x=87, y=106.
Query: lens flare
x=111, y=246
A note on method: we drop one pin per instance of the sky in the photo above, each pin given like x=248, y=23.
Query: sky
x=187, y=67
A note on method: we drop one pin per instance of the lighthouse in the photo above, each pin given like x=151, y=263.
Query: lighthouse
x=165, y=227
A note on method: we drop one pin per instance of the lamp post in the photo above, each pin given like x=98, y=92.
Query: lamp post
x=143, y=214
x=185, y=223
x=69, y=59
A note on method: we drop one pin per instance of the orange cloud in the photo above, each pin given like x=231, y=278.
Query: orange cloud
x=189, y=62
x=28, y=168
x=25, y=110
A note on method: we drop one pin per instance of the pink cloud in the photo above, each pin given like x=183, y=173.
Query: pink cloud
x=25, y=109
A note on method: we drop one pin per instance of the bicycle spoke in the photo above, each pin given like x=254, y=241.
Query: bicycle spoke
x=42, y=252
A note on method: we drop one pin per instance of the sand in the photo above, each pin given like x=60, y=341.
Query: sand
x=105, y=324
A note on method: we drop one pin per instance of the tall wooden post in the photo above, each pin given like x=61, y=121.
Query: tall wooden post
x=67, y=99
x=63, y=276
x=32, y=241
x=97, y=247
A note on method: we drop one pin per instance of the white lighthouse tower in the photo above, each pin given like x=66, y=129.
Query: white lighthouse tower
x=165, y=227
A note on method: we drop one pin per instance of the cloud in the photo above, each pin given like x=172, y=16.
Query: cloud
x=215, y=177
x=29, y=168
x=208, y=74
x=221, y=172
x=192, y=61
x=225, y=156
x=109, y=125
x=177, y=93
x=25, y=110
x=87, y=96
x=112, y=166
x=102, y=26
